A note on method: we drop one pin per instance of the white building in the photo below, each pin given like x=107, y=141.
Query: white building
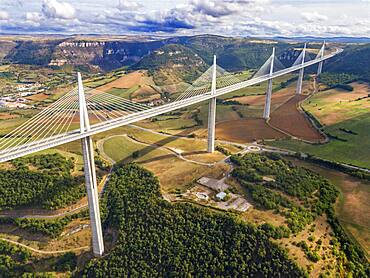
x=221, y=196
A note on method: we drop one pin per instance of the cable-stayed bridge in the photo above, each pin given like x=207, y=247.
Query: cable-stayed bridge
x=83, y=112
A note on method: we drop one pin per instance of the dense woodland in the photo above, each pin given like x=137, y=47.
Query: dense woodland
x=12, y=259
x=159, y=239
x=16, y=262
x=338, y=80
x=168, y=57
x=353, y=60
x=49, y=227
x=310, y=195
x=49, y=184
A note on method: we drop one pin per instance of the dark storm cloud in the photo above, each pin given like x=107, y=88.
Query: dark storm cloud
x=169, y=25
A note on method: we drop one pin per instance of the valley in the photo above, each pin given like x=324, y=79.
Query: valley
x=308, y=219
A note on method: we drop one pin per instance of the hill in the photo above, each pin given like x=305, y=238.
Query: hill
x=173, y=63
x=354, y=60
x=107, y=54
x=234, y=54
x=32, y=52
x=158, y=239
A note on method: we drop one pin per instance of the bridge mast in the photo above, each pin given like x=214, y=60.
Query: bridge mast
x=301, y=73
x=266, y=112
x=90, y=174
x=212, y=110
x=322, y=52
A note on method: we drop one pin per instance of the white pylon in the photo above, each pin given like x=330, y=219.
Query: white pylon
x=212, y=110
x=90, y=174
x=266, y=111
x=301, y=73
x=322, y=52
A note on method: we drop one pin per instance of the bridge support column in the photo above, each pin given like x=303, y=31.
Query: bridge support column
x=212, y=111
x=266, y=111
x=90, y=175
x=319, y=69
x=322, y=52
x=300, y=82
x=92, y=196
x=301, y=74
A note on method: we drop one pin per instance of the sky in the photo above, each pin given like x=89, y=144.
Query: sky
x=256, y=18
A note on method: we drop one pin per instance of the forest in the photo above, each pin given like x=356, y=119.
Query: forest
x=49, y=184
x=160, y=239
x=49, y=227
x=314, y=196
x=16, y=262
x=12, y=259
x=338, y=80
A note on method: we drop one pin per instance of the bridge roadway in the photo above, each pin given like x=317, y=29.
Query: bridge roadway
x=9, y=154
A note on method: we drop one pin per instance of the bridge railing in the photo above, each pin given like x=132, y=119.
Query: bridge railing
x=11, y=153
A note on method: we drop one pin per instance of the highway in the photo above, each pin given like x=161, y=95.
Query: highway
x=36, y=146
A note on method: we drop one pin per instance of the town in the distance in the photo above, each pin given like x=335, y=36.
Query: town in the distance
x=177, y=152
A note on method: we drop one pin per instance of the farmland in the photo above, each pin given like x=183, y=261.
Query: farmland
x=288, y=118
x=345, y=118
x=177, y=162
x=246, y=130
x=292, y=207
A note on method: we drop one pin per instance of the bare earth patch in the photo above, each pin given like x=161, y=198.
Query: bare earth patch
x=291, y=120
x=145, y=93
x=7, y=116
x=259, y=100
x=246, y=130
x=128, y=80
x=38, y=97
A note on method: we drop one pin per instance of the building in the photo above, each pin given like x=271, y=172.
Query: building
x=221, y=196
x=217, y=185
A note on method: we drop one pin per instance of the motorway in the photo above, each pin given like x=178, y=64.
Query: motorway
x=9, y=154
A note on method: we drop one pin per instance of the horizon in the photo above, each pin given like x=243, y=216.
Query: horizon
x=314, y=39
x=199, y=138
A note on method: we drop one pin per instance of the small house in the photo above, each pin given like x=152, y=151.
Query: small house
x=221, y=196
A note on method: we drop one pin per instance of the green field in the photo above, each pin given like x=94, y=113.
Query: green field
x=258, y=89
x=99, y=81
x=345, y=118
x=355, y=151
x=124, y=93
x=146, y=137
x=120, y=148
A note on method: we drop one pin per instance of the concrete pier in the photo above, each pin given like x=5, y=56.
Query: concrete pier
x=212, y=111
x=90, y=174
x=301, y=73
x=266, y=111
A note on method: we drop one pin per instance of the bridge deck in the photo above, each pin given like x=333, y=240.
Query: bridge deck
x=12, y=153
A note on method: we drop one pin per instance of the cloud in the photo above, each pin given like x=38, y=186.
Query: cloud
x=314, y=17
x=223, y=17
x=33, y=17
x=58, y=10
x=4, y=15
x=128, y=5
x=169, y=25
x=197, y=14
x=212, y=8
x=165, y=21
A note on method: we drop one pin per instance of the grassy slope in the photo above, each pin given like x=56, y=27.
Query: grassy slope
x=355, y=151
x=352, y=207
x=121, y=148
x=332, y=106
